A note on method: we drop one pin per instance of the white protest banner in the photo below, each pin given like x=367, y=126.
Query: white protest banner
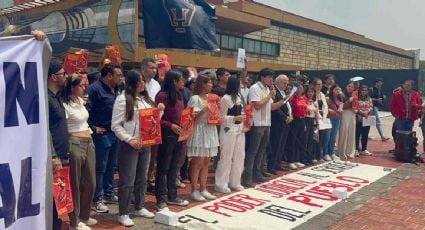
x=23, y=133
x=240, y=62
x=282, y=203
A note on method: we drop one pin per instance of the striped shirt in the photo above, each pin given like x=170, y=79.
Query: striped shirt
x=261, y=117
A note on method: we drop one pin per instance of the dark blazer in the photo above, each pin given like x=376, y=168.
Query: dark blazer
x=279, y=116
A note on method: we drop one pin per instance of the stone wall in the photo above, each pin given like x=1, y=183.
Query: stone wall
x=313, y=52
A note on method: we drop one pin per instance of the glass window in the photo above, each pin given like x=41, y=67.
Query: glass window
x=257, y=46
x=274, y=49
x=269, y=49
x=251, y=46
x=224, y=41
x=239, y=43
x=264, y=48
x=245, y=44
x=217, y=36
x=232, y=42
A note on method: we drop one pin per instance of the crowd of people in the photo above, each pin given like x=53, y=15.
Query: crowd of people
x=95, y=130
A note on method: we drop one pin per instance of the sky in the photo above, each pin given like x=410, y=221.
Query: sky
x=394, y=22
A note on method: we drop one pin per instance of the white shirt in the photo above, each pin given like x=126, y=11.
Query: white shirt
x=287, y=103
x=261, y=117
x=76, y=116
x=123, y=129
x=152, y=87
x=244, y=93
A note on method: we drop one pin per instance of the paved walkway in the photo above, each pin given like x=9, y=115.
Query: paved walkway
x=396, y=201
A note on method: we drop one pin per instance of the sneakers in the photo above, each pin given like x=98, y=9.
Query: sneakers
x=179, y=184
x=80, y=226
x=208, y=195
x=237, y=188
x=178, y=201
x=125, y=220
x=222, y=190
x=144, y=213
x=293, y=166
x=110, y=199
x=100, y=207
x=248, y=185
x=356, y=153
x=299, y=165
x=336, y=158
x=161, y=205
x=327, y=157
x=90, y=222
x=314, y=161
x=366, y=153
x=196, y=196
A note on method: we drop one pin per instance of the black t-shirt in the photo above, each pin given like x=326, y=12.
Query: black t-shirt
x=57, y=126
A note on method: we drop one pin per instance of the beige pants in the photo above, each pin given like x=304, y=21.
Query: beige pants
x=82, y=165
x=347, y=134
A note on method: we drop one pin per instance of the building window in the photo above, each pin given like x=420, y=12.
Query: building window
x=230, y=42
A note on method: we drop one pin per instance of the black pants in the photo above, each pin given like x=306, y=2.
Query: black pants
x=309, y=143
x=298, y=133
x=278, y=137
x=363, y=133
x=166, y=167
x=57, y=222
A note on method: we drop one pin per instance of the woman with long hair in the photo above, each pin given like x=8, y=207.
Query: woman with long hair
x=170, y=149
x=299, y=104
x=232, y=140
x=346, y=140
x=82, y=159
x=365, y=108
x=311, y=121
x=335, y=102
x=133, y=158
x=203, y=144
x=324, y=134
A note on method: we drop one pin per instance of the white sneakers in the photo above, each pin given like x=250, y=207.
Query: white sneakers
x=222, y=190
x=208, y=195
x=125, y=220
x=196, y=196
x=366, y=153
x=90, y=222
x=292, y=166
x=237, y=188
x=144, y=213
x=336, y=158
x=327, y=157
x=203, y=196
x=100, y=207
x=356, y=153
x=80, y=226
x=299, y=165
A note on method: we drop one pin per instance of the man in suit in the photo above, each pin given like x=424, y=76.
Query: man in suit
x=281, y=117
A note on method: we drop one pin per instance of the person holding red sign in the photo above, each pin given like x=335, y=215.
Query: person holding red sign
x=346, y=142
x=232, y=140
x=203, y=144
x=133, y=157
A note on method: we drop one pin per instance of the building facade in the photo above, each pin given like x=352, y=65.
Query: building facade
x=271, y=37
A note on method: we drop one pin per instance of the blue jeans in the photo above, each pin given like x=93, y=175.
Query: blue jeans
x=106, y=156
x=403, y=124
x=378, y=121
x=330, y=146
x=325, y=138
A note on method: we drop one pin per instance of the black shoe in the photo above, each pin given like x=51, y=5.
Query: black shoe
x=265, y=174
x=272, y=171
x=259, y=179
x=150, y=190
x=161, y=205
x=248, y=185
x=281, y=168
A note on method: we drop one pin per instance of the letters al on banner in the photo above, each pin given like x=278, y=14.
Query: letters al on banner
x=182, y=24
x=23, y=133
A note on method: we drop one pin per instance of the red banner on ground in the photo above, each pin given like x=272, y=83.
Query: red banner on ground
x=62, y=191
x=186, y=123
x=150, y=127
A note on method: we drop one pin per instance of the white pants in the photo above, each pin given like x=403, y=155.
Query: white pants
x=232, y=156
x=347, y=132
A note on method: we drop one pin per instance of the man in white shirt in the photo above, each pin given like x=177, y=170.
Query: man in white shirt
x=148, y=69
x=281, y=118
x=261, y=97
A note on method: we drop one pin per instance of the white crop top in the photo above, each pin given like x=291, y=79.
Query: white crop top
x=76, y=116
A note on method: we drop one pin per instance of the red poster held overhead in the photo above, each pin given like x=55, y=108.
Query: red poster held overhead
x=113, y=53
x=75, y=62
x=62, y=191
x=150, y=127
x=186, y=123
x=214, y=117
